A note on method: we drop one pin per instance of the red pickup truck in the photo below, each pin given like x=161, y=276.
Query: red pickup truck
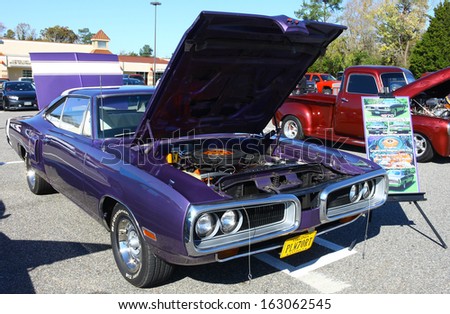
x=339, y=117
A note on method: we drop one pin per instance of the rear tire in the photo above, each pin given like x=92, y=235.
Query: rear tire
x=133, y=255
x=36, y=183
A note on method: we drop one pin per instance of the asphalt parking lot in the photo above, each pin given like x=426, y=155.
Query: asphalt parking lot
x=50, y=246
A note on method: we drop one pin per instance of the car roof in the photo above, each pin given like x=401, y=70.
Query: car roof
x=111, y=90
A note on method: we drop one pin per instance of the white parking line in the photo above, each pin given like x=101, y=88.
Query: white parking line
x=304, y=273
x=10, y=162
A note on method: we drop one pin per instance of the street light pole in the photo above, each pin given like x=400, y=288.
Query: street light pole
x=155, y=3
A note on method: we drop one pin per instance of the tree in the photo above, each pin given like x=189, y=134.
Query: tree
x=146, y=51
x=361, y=46
x=85, y=36
x=2, y=28
x=10, y=34
x=432, y=52
x=322, y=10
x=399, y=25
x=25, y=32
x=59, y=34
x=318, y=10
x=131, y=53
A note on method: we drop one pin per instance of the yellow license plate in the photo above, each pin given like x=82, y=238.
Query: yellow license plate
x=298, y=244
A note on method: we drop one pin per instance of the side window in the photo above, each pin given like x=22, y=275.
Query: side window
x=362, y=84
x=70, y=114
x=316, y=78
x=54, y=115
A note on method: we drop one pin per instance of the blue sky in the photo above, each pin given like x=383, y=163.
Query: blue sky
x=130, y=24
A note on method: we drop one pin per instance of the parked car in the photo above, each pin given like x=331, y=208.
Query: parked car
x=132, y=81
x=399, y=127
x=377, y=127
x=182, y=174
x=324, y=81
x=18, y=95
x=26, y=79
x=311, y=115
x=2, y=81
x=401, y=178
x=304, y=87
x=138, y=77
x=393, y=108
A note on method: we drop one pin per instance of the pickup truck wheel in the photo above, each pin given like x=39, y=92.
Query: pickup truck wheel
x=292, y=128
x=424, y=150
x=327, y=91
x=36, y=183
x=133, y=255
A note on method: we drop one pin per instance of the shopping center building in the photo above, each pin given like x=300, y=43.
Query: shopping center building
x=15, y=58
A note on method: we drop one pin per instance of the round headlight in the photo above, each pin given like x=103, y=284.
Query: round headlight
x=354, y=194
x=230, y=221
x=365, y=191
x=206, y=225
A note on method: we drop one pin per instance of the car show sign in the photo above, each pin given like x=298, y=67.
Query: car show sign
x=55, y=72
x=390, y=141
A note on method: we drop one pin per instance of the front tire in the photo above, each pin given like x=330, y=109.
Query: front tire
x=133, y=255
x=424, y=150
x=292, y=128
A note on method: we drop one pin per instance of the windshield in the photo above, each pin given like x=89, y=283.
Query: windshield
x=328, y=77
x=395, y=80
x=120, y=115
x=18, y=86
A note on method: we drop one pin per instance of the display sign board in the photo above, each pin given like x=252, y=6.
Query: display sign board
x=55, y=72
x=390, y=141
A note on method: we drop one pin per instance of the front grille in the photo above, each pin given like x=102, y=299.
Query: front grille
x=335, y=199
x=260, y=220
x=263, y=215
x=27, y=98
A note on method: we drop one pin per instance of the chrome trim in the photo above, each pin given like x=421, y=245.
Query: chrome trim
x=277, y=246
x=377, y=199
x=7, y=131
x=270, y=248
x=245, y=237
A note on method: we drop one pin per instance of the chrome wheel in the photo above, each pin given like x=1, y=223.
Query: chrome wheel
x=129, y=245
x=424, y=150
x=31, y=178
x=290, y=129
x=421, y=145
x=133, y=255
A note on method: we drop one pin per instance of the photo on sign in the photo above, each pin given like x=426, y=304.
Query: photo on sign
x=376, y=107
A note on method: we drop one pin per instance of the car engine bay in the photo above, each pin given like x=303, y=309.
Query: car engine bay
x=243, y=168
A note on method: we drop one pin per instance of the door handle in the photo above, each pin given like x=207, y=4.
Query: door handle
x=344, y=99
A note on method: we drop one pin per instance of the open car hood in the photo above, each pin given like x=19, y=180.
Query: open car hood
x=436, y=84
x=230, y=73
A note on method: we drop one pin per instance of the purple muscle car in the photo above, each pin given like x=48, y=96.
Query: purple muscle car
x=183, y=175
